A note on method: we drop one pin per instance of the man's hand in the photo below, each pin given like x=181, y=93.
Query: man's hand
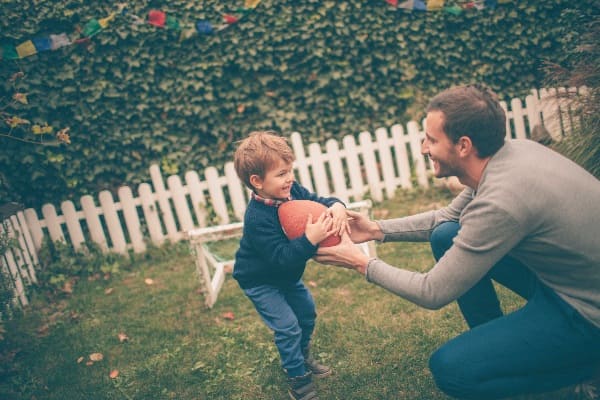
x=361, y=228
x=346, y=254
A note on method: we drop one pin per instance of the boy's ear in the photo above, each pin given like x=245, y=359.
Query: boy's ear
x=256, y=181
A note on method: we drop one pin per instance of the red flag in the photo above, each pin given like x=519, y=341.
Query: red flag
x=230, y=19
x=157, y=18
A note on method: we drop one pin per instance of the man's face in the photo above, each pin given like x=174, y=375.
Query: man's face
x=439, y=148
x=277, y=183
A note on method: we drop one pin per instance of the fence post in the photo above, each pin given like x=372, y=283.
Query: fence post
x=132, y=220
x=92, y=219
x=415, y=149
x=371, y=168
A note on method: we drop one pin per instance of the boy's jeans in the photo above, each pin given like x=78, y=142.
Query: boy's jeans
x=541, y=347
x=290, y=313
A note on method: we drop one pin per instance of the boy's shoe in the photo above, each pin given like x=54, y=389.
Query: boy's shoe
x=318, y=370
x=302, y=387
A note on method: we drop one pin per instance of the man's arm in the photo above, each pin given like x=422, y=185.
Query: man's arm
x=485, y=237
x=418, y=227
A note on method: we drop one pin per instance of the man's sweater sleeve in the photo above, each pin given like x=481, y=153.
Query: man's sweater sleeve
x=418, y=228
x=484, y=238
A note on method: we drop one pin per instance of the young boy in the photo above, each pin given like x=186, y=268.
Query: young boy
x=269, y=266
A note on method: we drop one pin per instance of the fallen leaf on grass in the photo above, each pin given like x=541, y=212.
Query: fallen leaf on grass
x=312, y=283
x=114, y=373
x=68, y=287
x=123, y=337
x=80, y=360
x=96, y=356
x=198, y=366
x=149, y=281
x=228, y=315
x=43, y=330
x=108, y=291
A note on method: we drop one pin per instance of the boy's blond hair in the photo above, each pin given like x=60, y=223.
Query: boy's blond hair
x=259, y=152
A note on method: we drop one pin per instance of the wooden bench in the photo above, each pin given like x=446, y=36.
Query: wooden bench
x=212, y=271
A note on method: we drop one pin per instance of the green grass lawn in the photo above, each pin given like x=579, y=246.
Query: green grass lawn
x=377, y=343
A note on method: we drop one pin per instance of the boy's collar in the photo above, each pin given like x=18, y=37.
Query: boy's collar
x=269, y=202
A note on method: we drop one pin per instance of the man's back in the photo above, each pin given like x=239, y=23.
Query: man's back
x=556, y=207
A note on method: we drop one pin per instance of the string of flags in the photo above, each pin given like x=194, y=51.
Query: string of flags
x=157, y=18
x=440, y=5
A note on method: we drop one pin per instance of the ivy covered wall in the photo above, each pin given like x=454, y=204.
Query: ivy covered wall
x=136, y=94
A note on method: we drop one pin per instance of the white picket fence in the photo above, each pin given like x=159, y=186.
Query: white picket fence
x=375, y=165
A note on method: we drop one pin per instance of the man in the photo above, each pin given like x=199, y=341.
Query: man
x=529, y=219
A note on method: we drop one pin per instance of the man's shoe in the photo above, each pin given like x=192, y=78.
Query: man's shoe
x=318, y=370
x=302, y=387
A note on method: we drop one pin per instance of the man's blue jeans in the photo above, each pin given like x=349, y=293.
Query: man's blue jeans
x=289, y=311
x=543, y=346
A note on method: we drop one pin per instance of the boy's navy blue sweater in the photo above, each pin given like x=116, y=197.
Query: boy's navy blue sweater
x=266, y=255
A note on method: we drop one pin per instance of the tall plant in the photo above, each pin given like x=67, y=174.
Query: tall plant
x=581, y=67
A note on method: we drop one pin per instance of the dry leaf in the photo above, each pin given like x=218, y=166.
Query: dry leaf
x=114, y=373
x=228, y=315
x=80, y=360
x=149, y=281
x=312, y=283
x=96, y=356
x=43, y=330
x=68, y=287
x=123, y=337
x=109, y=290
x=89, y=363
x=228, y=268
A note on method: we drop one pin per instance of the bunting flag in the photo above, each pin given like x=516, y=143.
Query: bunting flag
x=440, y=5
x=156, y=18
x=161, y=19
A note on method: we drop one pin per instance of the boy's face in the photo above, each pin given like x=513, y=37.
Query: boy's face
x=277, y=182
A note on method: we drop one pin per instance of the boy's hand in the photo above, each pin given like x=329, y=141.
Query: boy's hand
x=320, y=230
x=340, y=220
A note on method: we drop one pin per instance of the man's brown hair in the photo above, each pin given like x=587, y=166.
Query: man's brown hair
x=472, y=111
x=259, y=152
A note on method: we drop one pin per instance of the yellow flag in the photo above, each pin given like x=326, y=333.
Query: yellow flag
x=26, y=49
x=105, y=21
x=251, y=3
x=435, y=5
x=41, y=129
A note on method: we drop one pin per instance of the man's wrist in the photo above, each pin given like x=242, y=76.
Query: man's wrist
x=377, y=232
x=362, y=264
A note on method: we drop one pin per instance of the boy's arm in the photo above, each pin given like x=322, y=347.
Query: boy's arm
x=269, y=241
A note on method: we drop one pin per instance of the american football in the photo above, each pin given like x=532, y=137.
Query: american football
x=293, y=215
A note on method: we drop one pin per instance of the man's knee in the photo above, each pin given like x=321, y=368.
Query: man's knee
x=450, y=373
x=442, y=237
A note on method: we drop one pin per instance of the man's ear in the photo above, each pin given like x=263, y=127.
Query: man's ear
x=465, y=146
x=256, y=181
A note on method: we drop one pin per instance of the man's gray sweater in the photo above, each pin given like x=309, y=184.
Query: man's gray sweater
x=532, y=204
